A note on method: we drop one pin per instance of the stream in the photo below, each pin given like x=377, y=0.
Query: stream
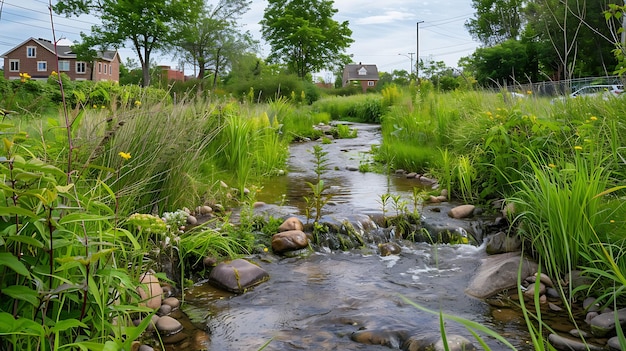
x=317, y=302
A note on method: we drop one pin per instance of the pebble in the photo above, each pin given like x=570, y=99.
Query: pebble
x=172, y=302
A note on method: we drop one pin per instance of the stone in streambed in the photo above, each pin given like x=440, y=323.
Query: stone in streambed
x=499, y=272
x=237, y=276
x=389, y=338
x=462, y=211
x=289, y=241
x=150, y=291
x=433, y=342
x=291, y=223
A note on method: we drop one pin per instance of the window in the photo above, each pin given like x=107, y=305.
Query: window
x=105, y=69
x=42, y=66
x=370, y=83
x=362, y=71
x=64, y=66
x=31, y=51
x=81, y=67
x=99, y=67
x=110, y=71
x=14, y=65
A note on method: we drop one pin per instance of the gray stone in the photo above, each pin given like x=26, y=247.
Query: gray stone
x=389, y=338
x=165, y=310
x=501, y=243
x=237, y=276
x=145, y=348
x=568, y=344
x=387, y=249
x=613, y=343
x=434, y=342
x=604, y=324
x=462, y=211
x=167, y=325
x=530, y=291
x=590, y=305
x=499, y=272
x=289, y=241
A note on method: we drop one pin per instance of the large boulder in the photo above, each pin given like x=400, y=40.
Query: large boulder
x=289, y=241
x=501, y=243
x=499, y=272
x=237, y=276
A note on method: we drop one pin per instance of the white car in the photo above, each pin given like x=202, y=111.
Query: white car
x=605, y=91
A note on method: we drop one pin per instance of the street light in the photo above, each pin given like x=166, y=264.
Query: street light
x=411, y=58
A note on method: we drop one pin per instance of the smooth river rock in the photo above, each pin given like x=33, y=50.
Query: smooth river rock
x=289, y=241
x=150, y=291
x=499, y=272
x=237, y=276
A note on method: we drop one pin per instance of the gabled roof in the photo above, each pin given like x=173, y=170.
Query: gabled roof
x=64, y=51
x=354, y=72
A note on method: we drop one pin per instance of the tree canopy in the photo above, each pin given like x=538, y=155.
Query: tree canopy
x=147, y=25
x=303, y=35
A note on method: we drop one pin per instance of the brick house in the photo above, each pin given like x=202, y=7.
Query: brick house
x=36, y=57
x=364, y=75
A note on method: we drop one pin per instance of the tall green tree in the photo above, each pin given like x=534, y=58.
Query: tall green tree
x=213, y=40
x=144, y=25
x=304, y=36
x=496, y=21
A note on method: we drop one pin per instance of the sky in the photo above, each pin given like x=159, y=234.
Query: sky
x=384, y=32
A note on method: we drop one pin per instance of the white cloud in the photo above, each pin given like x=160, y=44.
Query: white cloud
x=388, y=17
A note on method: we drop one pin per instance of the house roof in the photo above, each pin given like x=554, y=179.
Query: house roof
x=353, y=72
x=64, y=51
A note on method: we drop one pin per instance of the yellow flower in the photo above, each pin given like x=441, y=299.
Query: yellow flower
x=95, y=106
x=265, y=249
x=578, y=147
x=103, y=106
x=137, y=103
x=528, y=92
x=24, y=77
x=552, y=165
x=53, y=73
x=124, y=155
x=612, y=221
x=593, y=118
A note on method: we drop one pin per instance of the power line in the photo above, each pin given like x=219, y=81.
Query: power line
x=48, y=13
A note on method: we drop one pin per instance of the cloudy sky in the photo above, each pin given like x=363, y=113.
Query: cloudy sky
x=384, y=32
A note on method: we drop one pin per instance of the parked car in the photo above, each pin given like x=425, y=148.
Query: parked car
x=605, y=90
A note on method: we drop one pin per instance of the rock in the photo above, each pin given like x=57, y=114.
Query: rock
x=552, y=293
x=567, y=344
x=237, y=276
x=613, y=343
x=167, y=325
x=289, y=241
x=411, y=175
x=173, y=302
x=209, y=261
x=590, y=305
x=437, y=199
x=604, y=324
x=444, y=193
x=554, y=307
x=530, y=291
x=352, y=168
x=462, y=211
x=426, y=180
x=191, y=220
x=501, y=243
x=499, y=272
x=389, y=338
x=291, y=223
x=150, y=291
x=387, y=249
x=434, y=342
x=145, y=348
x=165, y=310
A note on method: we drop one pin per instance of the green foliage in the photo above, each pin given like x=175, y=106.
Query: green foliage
x=304, y=35
x=358, y=108
x=318, y=196
x=268, y=88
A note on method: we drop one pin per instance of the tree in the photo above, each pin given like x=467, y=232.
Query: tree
x=146, y=24
x=496, y=21
x=304, y=35
x=213, y=40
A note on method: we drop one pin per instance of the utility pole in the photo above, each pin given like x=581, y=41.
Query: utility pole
x=417, y=52
x=410, y=58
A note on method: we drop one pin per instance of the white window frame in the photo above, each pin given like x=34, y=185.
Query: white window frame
x=99, y=67
x=64, y=66
x=105, y=68
x=28, y=51
x=370, y=83
x=79, y=65
x=110, y=70
x=12, y=63
x=42, y=66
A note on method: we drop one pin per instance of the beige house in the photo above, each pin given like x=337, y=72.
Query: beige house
x=364, y=75
x=37, y=58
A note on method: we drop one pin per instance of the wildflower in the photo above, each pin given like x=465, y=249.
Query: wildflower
x=265, y=249
x=587, y=140
x=124, y=155
x=551, y=165
x=137, y=103
x=103, y=106
x=529, y=92
x=578, y=147
x=612, y=221
x=95, y=106
x=24, y=77
x=593, y=118
x=53, y=73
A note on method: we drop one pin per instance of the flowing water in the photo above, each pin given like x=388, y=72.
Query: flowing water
x=317, y=302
